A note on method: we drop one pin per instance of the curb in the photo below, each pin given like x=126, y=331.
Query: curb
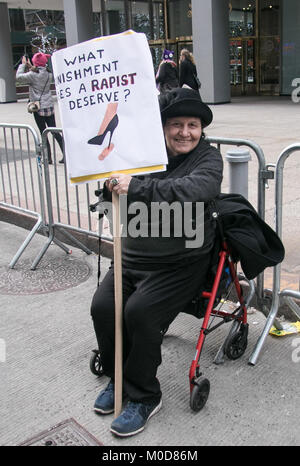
x=27, y=221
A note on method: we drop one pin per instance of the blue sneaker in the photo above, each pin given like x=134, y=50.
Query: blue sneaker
x=105, y=402
x=134, y=418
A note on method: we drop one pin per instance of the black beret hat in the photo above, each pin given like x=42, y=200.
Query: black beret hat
x=183, y=101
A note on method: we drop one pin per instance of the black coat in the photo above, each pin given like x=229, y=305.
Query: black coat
x=187, y=70
x=250, y=239
x=193, y=177
x=167, y=76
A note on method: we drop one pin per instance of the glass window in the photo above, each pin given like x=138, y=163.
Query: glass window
x=145, y=16
x=36, y=20
x=97, y=26
x=242, y=18
x=269, y=17
x=180, y=18
x=115, y=16
x=269, y=60
x=242, y=66
x=290, y=65
x=269, y=45
x=16, y=19
x=236, y=53
x=158, y=31
x=141, y=17
x=249, y=60
x=46, y=27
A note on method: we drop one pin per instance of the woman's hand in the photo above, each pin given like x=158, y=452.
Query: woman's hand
x=26, y=61
x=118, y=183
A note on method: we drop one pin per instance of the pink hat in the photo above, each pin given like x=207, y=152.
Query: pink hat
x=40, y=59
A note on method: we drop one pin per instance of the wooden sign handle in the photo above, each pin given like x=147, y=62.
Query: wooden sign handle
x=118, y=303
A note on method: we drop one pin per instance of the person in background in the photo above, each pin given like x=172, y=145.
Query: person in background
x=167, y=73
x=187, y=70
x=161, y=274
x=39, y=80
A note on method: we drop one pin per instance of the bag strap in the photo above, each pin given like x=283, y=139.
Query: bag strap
x=44, y=88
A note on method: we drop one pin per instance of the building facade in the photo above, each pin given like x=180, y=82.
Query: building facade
x=241, y=47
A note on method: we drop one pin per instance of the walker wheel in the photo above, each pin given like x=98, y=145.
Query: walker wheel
x=95, y=363
x=199, y=394
x=237, y=343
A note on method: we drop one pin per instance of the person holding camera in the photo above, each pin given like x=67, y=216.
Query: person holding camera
x=39, y=79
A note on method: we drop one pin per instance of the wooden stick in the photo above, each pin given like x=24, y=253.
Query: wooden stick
x=118, y=304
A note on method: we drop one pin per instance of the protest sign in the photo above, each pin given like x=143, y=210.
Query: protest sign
x=108, y=106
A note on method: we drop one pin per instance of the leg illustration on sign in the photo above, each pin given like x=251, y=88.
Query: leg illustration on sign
x=108, y=125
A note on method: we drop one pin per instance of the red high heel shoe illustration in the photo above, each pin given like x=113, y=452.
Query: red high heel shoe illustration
x=108, y=125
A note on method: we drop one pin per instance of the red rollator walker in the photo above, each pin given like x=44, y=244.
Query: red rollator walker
x=224, y=281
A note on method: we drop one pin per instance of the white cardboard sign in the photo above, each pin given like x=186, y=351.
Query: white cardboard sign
x=109, y=109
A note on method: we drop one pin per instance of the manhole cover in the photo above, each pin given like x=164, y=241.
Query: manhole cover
x=67, y=433
x=51, y=275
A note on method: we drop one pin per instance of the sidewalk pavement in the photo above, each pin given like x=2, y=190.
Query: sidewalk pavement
x=45, y=378
x=46, y=333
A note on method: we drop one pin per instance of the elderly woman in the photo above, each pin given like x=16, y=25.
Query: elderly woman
x=160, y=275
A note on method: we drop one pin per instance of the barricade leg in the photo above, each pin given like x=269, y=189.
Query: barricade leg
x=287, y=295
x=265, y=332
x=23, y=246
x=76, y=241
x=57, y=184
x=46, y=246
x=276, y=273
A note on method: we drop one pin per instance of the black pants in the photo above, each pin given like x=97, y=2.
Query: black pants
x=44, y=121
x=151, y=301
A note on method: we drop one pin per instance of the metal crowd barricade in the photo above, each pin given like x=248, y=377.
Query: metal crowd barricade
x=21, y=190
x=276, y=293
x=67, y=206
x=262, y=182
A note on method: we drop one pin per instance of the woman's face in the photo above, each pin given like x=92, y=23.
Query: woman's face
x=182, y=134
